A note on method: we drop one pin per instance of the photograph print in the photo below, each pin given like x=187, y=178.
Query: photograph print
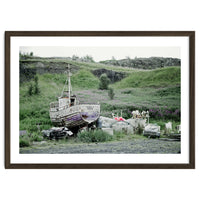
x=99, y=100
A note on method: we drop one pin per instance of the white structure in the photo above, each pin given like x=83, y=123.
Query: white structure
x=168, y=126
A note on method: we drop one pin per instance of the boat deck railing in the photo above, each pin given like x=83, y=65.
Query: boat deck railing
x=54, y=106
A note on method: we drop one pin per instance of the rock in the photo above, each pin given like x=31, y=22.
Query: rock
x=119, y=126
x=106, y=125
x=105, y=122
x=137, y=122
x=108, y=130
x=152, y=130
x=168, y=126
x=130, y=129
x=142, y=122
x=112, y=75
x=26, y=73
x=122, y=126
x=144, y=63
x=132, y=122
x=178, y=128
x=29, y=68
x=40, y=65
x=46, y=133
x=23, y=132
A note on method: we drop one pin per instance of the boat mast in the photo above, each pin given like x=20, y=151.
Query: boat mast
x=69, y=85
x=68, y=80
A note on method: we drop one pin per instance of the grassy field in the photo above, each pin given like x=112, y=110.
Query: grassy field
x=163, y=77
x=155, y=90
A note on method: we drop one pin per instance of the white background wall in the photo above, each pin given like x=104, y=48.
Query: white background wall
x=99, y=15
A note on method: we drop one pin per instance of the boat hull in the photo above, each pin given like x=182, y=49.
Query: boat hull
x=75, y=116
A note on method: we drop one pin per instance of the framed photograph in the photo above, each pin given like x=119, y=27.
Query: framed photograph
x=99, y=99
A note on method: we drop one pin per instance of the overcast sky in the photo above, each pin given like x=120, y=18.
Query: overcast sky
x=102, y=53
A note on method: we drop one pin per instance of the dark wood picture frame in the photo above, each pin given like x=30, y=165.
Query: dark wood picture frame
x=189, y=34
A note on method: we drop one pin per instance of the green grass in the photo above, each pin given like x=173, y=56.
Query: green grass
x=141, y=90
x=26, y=140
x=129, y=99
x=94, y=136
x=84, y=79
x=34, y=109
x=154, y=78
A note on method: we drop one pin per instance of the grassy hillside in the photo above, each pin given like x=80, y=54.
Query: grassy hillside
x=155, y=90
x=81, y=79
x=155, y=78
x=81, y=65
x=84, y=79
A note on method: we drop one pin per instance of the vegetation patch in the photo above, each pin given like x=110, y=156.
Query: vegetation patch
x=154, y=78
x=111, y=93
x=84, y=79
x=28, y=139
x=155, y=90
x=24, y=142
x=94, y=136
x=104, y=81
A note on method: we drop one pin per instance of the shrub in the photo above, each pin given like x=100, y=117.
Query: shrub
x=111, y=93
x=104, y=82
x=24, y=142
x=118, y=135
x=165, y=113
x=101, y=136
x=94, y=136
x=30, y=89
x=36, y=137
x=36, y=89
x=32, y=128
x=139, y=130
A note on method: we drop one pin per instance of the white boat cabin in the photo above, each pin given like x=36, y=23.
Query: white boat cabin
x=65, y=101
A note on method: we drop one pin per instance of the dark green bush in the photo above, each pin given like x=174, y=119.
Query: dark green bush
x=30, y=89
x=36, y=89
x=139, y=130
x=111, y=93
x=104, y=82
x=94, y=136
x=32, y=128
x=24, y=142
x=36, y=137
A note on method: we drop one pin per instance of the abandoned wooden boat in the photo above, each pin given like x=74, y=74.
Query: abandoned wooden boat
x=69, y=113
